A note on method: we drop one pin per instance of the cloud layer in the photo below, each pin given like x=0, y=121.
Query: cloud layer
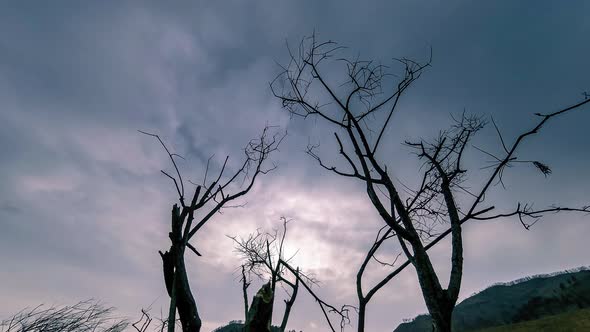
x=84, y=209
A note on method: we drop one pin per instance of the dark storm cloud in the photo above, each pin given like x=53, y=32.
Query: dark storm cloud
x=82, y=199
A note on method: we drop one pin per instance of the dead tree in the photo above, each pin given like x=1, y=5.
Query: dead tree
x=245, y=284
x=187, y=219
x=342, y=313
x=85, y=316
x=264, y=256
x=259, y=317
x=361, y=110
x=144, y=323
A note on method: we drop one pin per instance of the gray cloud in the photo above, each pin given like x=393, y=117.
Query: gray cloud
x=83, y=207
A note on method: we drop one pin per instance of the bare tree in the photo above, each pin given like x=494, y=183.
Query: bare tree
x=85, y=316
x=245, y=284
x=208, y=199
x=148, y=323
x=145, y=322
x=361, y=110
x=263, y=256
x=255, y=250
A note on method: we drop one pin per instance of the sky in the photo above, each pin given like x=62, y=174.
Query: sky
x=84, y=208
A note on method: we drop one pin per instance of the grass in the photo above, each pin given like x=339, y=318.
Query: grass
x=573, y=321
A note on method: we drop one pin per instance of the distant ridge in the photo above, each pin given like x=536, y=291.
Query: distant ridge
x=571, y=321
x=515, y=301
x=534, y=276
x=238, y=326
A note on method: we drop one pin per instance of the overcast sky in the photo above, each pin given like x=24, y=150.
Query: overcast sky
x=84, y=209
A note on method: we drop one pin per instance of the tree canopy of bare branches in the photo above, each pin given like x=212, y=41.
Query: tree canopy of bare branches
x=189, y=217
x=263, y=255
x=361, y=110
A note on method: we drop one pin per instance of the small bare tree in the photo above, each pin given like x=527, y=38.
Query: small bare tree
x=263, y=256
x=208, y=198
x=85, y=316
x=148, y=323
x=361, y=110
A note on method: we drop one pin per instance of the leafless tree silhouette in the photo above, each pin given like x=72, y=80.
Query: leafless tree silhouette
x=148, y=323
x=361, y=110
x=208, y=199
x=263, y=255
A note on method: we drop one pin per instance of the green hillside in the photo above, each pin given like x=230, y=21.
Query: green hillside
x=238, y=326
x=574, y=321
x=523, y=300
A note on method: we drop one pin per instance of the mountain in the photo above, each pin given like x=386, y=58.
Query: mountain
x=571, y=321
x=238, y=326
x=522, y=300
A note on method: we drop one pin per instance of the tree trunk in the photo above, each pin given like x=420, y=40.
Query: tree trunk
x=177, y=285
x=260, y=313
x=442, y=318
x=245, y=285
x=289, y=303
x=176, y=279
x=285, y=320
x=362, y=313
x=439, y=306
